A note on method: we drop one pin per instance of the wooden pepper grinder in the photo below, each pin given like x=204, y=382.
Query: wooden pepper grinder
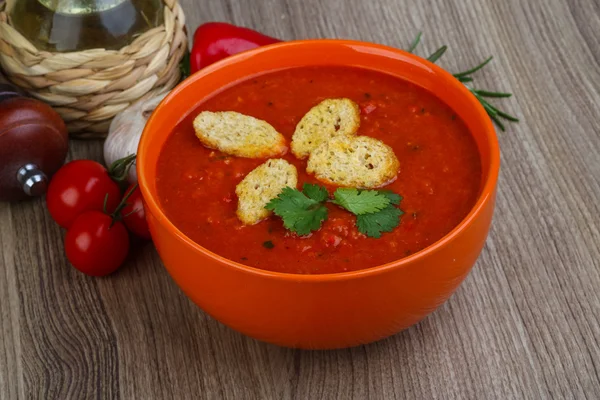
x=33, y=144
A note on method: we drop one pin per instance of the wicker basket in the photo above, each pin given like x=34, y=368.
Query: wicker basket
x=88, y=88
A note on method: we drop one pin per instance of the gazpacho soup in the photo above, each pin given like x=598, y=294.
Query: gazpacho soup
x=319, y=170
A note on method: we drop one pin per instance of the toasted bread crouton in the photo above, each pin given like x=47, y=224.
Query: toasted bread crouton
x=260, y=186
x=238, y=134
x=355, y=161
x=328, y=119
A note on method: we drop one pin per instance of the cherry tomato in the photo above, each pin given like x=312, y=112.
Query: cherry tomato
x=79, y=186
x=96, y=245
x=134, y=215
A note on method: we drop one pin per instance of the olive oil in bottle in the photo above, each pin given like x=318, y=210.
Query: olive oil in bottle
x=73, y=25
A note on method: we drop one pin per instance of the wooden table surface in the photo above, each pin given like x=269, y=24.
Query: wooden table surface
x=525, y=323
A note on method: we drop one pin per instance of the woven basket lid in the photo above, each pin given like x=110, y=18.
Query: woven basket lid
x=88, y=88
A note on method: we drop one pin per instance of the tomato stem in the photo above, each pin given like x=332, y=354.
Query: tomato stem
x=131, y=212
x=119, y=169
x=104, y=205
x=117, y=215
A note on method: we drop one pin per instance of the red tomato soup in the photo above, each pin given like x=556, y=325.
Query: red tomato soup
x=439, y=176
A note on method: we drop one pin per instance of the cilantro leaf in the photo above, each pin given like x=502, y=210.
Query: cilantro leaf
x=304, y=211
x=299, y=213
x=394, y=198
x=374, y=224
x=361, y=201
x=374, y=209
x=315, y=192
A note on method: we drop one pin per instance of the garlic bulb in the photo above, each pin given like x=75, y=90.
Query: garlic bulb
x=126, y=129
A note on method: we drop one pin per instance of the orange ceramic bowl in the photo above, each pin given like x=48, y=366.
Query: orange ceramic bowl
x=320, y=311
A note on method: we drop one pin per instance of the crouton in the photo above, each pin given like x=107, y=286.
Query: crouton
x=260, y=186
x=238, y=134
x=328, y=119
x=355, y=161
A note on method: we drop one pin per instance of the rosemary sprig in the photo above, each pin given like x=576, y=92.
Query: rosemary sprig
x=474, y=69
x=437, y=54
x=495, y=114
x=184, y=66
x=415, y=42
x=485, y=93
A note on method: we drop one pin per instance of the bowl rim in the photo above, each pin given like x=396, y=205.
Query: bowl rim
x=487, y=188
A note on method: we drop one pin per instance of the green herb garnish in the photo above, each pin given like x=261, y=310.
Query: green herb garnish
x=495, y=114
x=304, y=211
x=315, y=192
x=300, y=214
x=373, y=225
x=394, y=198
x=360, y=202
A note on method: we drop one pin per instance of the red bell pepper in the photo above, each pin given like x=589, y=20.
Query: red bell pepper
x=214, y=41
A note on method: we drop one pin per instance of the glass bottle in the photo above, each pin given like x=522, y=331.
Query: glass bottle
x=73, y=25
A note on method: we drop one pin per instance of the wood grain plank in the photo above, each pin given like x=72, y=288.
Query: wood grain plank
x=11, y=372
x=67, y=345
x=525, y=323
